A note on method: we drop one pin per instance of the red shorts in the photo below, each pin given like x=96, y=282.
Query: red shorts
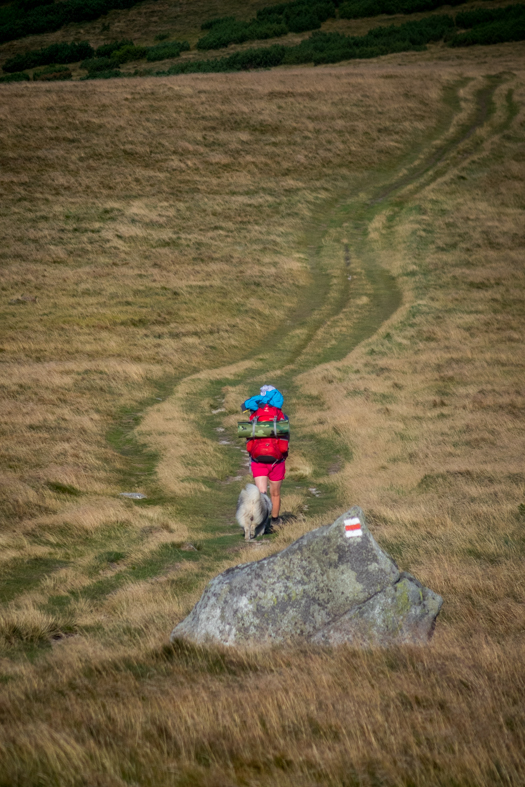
x=274, y=472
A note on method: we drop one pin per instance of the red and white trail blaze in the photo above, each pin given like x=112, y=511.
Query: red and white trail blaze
x=353, y=527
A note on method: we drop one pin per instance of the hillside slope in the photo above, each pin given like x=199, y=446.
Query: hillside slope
x=352, y=234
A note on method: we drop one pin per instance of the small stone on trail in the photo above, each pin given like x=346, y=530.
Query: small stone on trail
x=133, y=495
x=332, y=586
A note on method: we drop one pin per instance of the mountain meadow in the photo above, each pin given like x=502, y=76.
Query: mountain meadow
x=235, y=195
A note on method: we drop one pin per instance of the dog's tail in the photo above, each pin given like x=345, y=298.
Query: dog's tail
x=253, y=510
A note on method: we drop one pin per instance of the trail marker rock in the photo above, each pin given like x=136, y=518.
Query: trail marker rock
x=333, y=585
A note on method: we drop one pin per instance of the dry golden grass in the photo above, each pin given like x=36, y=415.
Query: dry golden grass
x=141, y=215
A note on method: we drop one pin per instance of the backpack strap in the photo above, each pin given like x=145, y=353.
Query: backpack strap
x=275, y=425
x=254, y=424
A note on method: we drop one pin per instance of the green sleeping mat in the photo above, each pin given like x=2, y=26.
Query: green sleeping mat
x=263, y=428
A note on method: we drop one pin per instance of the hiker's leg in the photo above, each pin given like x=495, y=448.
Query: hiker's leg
x=275, y=495
x=261, y=482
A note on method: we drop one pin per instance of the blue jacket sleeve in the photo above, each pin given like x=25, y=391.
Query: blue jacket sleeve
x=252, y=403
x=273, y=398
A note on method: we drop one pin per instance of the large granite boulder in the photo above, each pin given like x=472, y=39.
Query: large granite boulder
x=333, y=585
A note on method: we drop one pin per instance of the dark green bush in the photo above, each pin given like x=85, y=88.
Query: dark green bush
x=129, y=53
x=162, y=36
x=263, y=57
x=492, y=33
x=271, y=22
x=219, y=20
x=235, y=32
x=106, y=50
x=56, y=53
x=21, y=76
x=52, y=74
x=285, y=10
x=15, y=22
x=272, y=11
x=167, y=50
x=29, y=5
x=354, y=9
x=97, y=64
x=483, y=16
x=300, y=17
x=109, y=74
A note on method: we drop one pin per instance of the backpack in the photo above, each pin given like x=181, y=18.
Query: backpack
x=268, y=450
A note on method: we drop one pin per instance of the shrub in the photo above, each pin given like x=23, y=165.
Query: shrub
x=129, y=53
x=300, y=17
x=109, y=74
x=483, y=16
x=266, y=57
x=237, y=32
x=270, y=22
x=97, y=64
x=29, y=5
x=52, y=74
x=220, y=20
x=165, y=51
x=20, y=76
x=162, y=36
x=321, y=8
x=228, y=31
x=354, y=9
x=492, y=33
x=106, y=50
x=272, y=10
x=56, y=53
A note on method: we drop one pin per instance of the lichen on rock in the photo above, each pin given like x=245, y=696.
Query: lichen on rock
x=333, y=585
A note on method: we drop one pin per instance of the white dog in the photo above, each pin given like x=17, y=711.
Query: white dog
x=253, y=511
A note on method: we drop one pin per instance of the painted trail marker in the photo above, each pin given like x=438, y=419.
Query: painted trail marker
x=353, y=527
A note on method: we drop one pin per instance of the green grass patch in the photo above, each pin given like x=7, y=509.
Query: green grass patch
x=64, y=489
x=20, y=576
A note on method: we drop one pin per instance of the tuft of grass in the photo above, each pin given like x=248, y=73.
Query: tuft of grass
x=63, y=489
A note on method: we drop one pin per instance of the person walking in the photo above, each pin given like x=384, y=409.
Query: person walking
x=268, y=454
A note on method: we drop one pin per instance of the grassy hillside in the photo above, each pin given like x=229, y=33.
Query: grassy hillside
x=352, y=234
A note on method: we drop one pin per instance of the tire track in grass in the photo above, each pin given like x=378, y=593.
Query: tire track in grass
x=299, y=343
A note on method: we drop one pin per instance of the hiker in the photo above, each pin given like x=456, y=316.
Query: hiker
x=268, y=454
